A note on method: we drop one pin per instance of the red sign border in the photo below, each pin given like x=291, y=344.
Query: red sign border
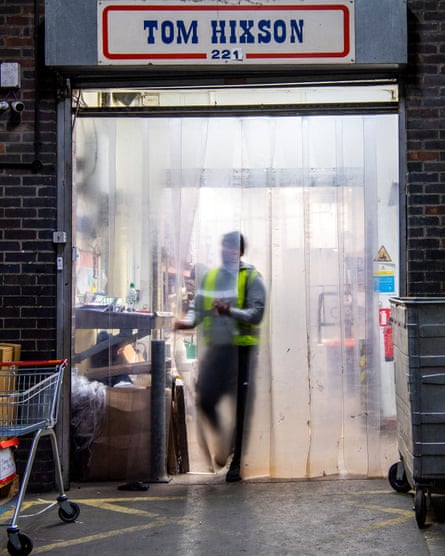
x=203, y=56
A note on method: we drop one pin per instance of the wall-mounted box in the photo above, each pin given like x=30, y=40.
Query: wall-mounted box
x=10, y=75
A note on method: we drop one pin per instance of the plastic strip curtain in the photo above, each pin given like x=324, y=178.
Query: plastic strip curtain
x=305, y=192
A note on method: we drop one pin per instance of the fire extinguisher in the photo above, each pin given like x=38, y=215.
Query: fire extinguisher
x=388, y=343
x=385, y=323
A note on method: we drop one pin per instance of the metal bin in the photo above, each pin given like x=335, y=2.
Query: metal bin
x=419, y=365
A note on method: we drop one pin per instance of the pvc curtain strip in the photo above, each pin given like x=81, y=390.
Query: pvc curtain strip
x=303, y=190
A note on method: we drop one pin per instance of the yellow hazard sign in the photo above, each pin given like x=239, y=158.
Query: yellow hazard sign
x=382, y=255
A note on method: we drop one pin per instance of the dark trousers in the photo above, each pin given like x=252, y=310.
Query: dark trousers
x=225, y=370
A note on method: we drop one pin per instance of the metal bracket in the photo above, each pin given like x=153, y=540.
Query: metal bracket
x=59, y=237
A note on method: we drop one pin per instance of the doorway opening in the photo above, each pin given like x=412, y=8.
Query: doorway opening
x=312, y=183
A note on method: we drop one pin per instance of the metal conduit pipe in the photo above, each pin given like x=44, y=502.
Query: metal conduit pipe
x=158, y=447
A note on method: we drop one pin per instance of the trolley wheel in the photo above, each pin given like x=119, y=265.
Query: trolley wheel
x=21, y=546
x=69, y=512
x=420, y=507
x=400, y=485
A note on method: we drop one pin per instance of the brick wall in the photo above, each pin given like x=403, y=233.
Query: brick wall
x=27, y=188
x=425, y=99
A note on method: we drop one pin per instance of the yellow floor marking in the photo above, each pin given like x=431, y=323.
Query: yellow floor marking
x=385, y=509
x=404, y=516
x=94, y=502
x=387, y=523
x=379, y=492
x=105, y=505
x=113, y=504
x=91, y=501
x=162, y=521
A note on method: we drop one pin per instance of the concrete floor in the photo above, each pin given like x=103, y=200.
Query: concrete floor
x=198, y=515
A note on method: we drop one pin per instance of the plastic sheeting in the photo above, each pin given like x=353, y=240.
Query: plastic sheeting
x=314, y=197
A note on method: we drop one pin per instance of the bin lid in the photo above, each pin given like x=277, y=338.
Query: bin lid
x=416, y=300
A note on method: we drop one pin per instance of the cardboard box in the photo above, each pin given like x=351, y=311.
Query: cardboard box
x=7, y=386
x=122, y=449
x=8, y=491
x=7, y=380
x=6, y=353
x=16, y=351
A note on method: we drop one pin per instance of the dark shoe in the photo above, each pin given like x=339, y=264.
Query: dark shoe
x=233, y=474
x=137, y=485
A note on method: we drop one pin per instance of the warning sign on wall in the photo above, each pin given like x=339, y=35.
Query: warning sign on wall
x=383, y=255
x=384, y=278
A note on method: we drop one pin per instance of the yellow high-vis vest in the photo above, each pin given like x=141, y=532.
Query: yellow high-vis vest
x=245, y=334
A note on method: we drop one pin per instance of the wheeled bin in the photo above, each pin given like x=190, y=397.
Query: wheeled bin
x=419, y=365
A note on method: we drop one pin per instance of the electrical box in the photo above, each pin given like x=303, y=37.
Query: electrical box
x=10, y=75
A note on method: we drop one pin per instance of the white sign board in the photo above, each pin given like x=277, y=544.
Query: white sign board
x=219, y=33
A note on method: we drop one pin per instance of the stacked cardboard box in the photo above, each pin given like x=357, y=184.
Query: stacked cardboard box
x=121, y=451
x=6, y=353
x=9, y=490
x=10, y=352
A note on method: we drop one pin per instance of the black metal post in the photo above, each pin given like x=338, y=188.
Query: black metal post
x=158, y=455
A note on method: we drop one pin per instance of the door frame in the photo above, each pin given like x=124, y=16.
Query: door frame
x=65, y=123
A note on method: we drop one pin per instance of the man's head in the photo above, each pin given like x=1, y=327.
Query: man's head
x=234, y=240
x=232, y=249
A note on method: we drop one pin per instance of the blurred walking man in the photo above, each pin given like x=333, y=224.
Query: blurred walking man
x=230, y=306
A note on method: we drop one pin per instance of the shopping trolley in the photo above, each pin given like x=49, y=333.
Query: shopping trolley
x=29, y=401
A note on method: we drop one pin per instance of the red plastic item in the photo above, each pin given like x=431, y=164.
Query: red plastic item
x=388, y=343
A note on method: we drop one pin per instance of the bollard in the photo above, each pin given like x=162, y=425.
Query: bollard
x=158, y=452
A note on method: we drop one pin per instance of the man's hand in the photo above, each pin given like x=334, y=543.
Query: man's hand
x=182, y=325
x=222, y=307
